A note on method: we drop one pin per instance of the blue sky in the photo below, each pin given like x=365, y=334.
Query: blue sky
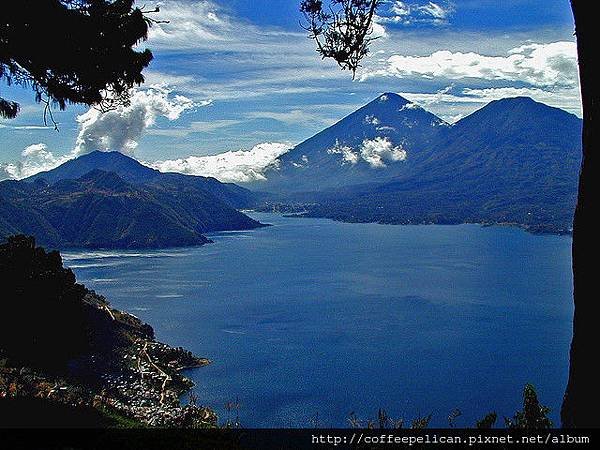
x=235, y=74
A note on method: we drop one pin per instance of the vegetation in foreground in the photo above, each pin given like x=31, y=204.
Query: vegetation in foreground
x=65, y=353
x=533, y=416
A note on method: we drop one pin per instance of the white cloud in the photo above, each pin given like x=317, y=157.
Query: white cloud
x=453, y=106
x=9, y=171
x=303, y=162
x=417, y=13
x=118, y=129
x=377, y=151
x=292, y=77
x=438, y=12
x=189, y=24
x=317, y=116
x=409, y=106
x=241, y=166
x=400, y=9
x=542, y=65
x=373, y=151
x=385, y=128
x=27, y=127
x=35, y=158
x=378, y=31
x=251, y=61
x=121, y=129
x=194, y=127
x=372, y=120
x=348, y=153
x=204, y=26
x=291, y=117
x=36, y=150
x=568, y=99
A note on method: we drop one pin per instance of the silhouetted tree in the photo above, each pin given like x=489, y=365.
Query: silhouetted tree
x=487, y=422
x=72, y=51
x=580, y=407
x=342, y=30
x=534, y=416
x=343, y=34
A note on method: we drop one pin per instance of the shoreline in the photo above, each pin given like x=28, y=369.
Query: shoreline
x=531, y=229
x=112, y=363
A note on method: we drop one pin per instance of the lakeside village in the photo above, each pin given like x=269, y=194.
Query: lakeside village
x=125, y=374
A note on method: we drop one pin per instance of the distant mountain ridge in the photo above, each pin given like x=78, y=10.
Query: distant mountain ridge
x=513, y=161
x=108, y=200
x=136, y=173
x=127, y=168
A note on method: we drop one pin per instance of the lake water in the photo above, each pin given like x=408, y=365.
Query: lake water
x=314, y=319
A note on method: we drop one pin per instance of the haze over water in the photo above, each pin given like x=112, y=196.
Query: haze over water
x=312, y=317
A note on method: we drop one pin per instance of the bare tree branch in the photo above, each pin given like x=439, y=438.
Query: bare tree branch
x=342, y=31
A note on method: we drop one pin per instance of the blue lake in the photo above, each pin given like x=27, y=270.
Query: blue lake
x=314, y=319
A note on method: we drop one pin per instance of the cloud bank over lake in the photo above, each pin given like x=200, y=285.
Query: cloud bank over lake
x=241, y=166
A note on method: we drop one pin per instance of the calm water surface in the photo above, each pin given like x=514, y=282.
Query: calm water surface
x=312, y=318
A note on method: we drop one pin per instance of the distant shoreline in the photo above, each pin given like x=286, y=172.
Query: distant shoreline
x=535, y=230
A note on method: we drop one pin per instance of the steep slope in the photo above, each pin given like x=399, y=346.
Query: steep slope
x=63, y=348
x=136, y=173
x=102, y=210
x=381, y=140
x=515, y=161
x=127, y=168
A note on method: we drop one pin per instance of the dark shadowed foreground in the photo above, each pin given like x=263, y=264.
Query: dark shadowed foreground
x=68, y=359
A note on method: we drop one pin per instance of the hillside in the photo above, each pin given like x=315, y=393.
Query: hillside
x=104, y=210
x=64, y=351
x=136, y=173
x=385, y=138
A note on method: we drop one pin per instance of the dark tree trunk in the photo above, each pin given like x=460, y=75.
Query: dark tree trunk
x=581, y=406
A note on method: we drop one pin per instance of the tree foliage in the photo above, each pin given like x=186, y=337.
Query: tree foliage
x=42, y=315
x=533, y=416
x=342, y=29
x=487, y=422
x=72, y=51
